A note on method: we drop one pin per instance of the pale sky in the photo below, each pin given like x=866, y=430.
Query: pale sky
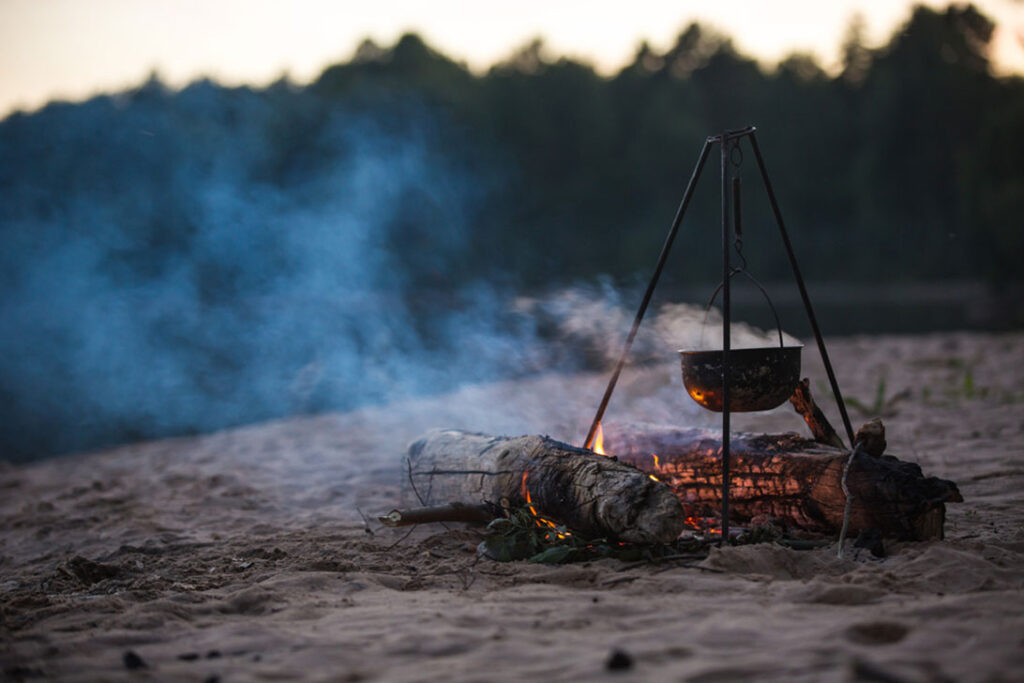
x=72, y=49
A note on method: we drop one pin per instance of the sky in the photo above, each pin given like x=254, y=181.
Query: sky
x=72, y=49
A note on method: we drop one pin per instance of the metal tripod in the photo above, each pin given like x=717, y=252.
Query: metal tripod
x=732, y=137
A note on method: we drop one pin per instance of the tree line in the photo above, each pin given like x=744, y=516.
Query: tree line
x=905, y=165
x=183, y=260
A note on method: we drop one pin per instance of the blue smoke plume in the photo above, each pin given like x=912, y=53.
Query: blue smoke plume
x=181, y=262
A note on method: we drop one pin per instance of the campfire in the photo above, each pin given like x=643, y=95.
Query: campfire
x=663, y=483
x=655, y=484
x=694, y=522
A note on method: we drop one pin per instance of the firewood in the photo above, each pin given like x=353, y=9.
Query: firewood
x=593, y=495
x=796, y=481
x=871, y=437
x=791, y=479
x=819, y=425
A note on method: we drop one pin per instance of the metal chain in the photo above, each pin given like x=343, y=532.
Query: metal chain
x=736, y=159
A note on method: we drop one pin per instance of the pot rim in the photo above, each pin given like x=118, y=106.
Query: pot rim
x=758, y=349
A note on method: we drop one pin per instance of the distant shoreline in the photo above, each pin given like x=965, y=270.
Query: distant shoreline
x=845, y=308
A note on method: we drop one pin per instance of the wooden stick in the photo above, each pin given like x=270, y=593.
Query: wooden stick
x=820, y=427
x=452, y=512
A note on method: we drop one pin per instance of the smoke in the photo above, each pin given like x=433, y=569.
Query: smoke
x=177, y=263
x=593, y=322
x=171, y=265
x=689, y=327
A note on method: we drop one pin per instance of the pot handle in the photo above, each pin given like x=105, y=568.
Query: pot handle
x=778, y=325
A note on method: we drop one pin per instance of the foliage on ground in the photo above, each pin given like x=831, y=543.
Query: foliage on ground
x=522, y=535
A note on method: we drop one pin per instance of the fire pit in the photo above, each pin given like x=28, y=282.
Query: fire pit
x=729, y=380
x=638, y=495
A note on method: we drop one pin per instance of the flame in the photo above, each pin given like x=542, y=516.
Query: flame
x=537, y=518
x=656, y=467
x=599, y=440
x=526, y=495
x=598, y=447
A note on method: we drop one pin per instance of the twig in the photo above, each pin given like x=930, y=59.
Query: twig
x=466, y=583
x=404, y=536
x=849, y=498
x=452, y=512
x=821, y=428
x=366, y=522
x=408, y=462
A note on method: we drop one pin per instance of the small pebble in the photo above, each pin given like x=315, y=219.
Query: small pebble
x=619, y=660
x=133, y=661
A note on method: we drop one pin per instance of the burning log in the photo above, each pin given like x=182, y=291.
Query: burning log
x=792, y=479
x=785, y=477
x=591, y=494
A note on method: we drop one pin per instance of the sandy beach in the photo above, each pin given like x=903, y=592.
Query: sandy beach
x=254, y=554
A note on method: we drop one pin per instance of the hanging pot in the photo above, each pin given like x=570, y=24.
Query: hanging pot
x=759, y=379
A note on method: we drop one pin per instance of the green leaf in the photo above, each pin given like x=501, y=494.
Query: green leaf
x=556, y=554
x=509, y=547
x=500, y=525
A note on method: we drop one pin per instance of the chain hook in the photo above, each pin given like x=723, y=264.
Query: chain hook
x=736, y=154
x=737, y=246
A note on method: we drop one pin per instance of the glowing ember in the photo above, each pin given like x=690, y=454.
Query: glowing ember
x=704, y=525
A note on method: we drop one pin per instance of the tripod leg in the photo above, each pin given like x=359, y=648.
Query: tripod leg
x=726, y=337
x=803, y=290
x=665, y=249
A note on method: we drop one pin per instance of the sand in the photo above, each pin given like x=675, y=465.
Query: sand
x=247, y=554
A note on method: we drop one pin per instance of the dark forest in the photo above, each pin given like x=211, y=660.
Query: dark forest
x=180, y=261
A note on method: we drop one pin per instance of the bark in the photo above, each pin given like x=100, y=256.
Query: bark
x=594, y=495
x=791, y=479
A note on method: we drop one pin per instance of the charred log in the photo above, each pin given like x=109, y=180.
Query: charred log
x=792, y=479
